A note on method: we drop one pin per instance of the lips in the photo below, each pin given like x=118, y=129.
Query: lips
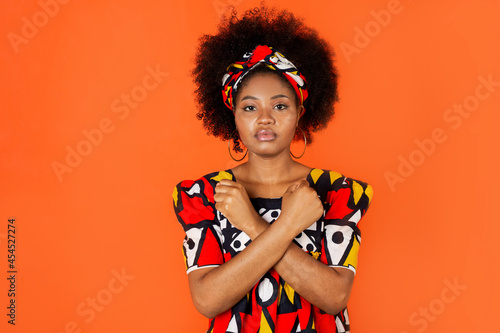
x=265, y=135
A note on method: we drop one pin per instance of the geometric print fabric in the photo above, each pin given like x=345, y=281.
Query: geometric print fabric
x=272, y=305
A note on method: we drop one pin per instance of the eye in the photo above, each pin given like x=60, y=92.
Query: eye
x=281, y=106
x=249, y=108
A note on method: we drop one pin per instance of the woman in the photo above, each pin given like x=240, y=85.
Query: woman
x=271, y=245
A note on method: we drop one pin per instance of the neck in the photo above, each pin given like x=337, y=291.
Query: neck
x=269, y=170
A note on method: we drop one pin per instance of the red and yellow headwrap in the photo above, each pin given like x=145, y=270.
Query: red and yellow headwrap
x=272, y=59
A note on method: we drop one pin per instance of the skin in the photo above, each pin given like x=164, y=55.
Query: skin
x=266, y=116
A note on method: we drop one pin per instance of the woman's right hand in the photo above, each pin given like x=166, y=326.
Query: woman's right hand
x=301, y=206
x=231, y=199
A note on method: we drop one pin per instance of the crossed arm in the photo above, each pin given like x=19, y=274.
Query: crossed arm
x=216, y=289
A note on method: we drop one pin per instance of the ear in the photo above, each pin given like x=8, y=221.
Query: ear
x=300, y=111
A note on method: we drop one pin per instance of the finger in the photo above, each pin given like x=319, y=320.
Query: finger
x=226, y=182
x=219, y=197
x=221, y=207
x=291, y=188
x=303, y=183
x=223, y=188
x=220, y=189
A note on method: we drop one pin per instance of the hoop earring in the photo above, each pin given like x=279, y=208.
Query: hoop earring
x=229, y=149
x=305, y=145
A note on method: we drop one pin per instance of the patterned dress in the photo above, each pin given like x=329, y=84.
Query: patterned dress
x=272, y=305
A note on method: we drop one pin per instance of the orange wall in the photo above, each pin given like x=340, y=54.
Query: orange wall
x=418, y=120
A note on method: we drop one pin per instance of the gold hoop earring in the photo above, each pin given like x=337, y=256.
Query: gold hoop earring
x=229, y=149
x=305, y=145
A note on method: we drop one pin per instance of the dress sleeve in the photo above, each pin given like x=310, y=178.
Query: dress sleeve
x=347, y=202
x=195, y=210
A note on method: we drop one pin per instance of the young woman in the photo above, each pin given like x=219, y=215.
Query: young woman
x=271, y=245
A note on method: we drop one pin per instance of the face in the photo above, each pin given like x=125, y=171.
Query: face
x=266, y=115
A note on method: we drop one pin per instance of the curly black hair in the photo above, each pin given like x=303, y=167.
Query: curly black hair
x=286, y=33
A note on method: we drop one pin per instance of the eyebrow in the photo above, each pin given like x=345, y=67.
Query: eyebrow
x=255, y=98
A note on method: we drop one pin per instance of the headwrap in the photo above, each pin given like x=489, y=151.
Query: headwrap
x=272, y=59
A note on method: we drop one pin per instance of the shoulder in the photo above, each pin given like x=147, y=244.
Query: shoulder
x=194, y=199
x=202, y=187
x=210, y=179
x=333, y=186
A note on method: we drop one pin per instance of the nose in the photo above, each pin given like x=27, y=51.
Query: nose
x=266, y=116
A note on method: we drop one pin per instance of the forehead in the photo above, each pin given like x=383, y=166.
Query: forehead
x=267, y=82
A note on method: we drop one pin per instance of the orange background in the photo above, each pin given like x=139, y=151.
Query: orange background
x=433, y=226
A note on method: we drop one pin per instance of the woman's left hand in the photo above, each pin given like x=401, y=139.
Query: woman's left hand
x=231, y=199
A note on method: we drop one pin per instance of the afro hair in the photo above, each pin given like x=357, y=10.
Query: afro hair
x=284, y=32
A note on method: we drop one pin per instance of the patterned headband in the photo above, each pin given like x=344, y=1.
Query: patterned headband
x=272, y=59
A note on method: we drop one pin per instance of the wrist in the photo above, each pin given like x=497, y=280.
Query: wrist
x=258, y=227
x=287, y=228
